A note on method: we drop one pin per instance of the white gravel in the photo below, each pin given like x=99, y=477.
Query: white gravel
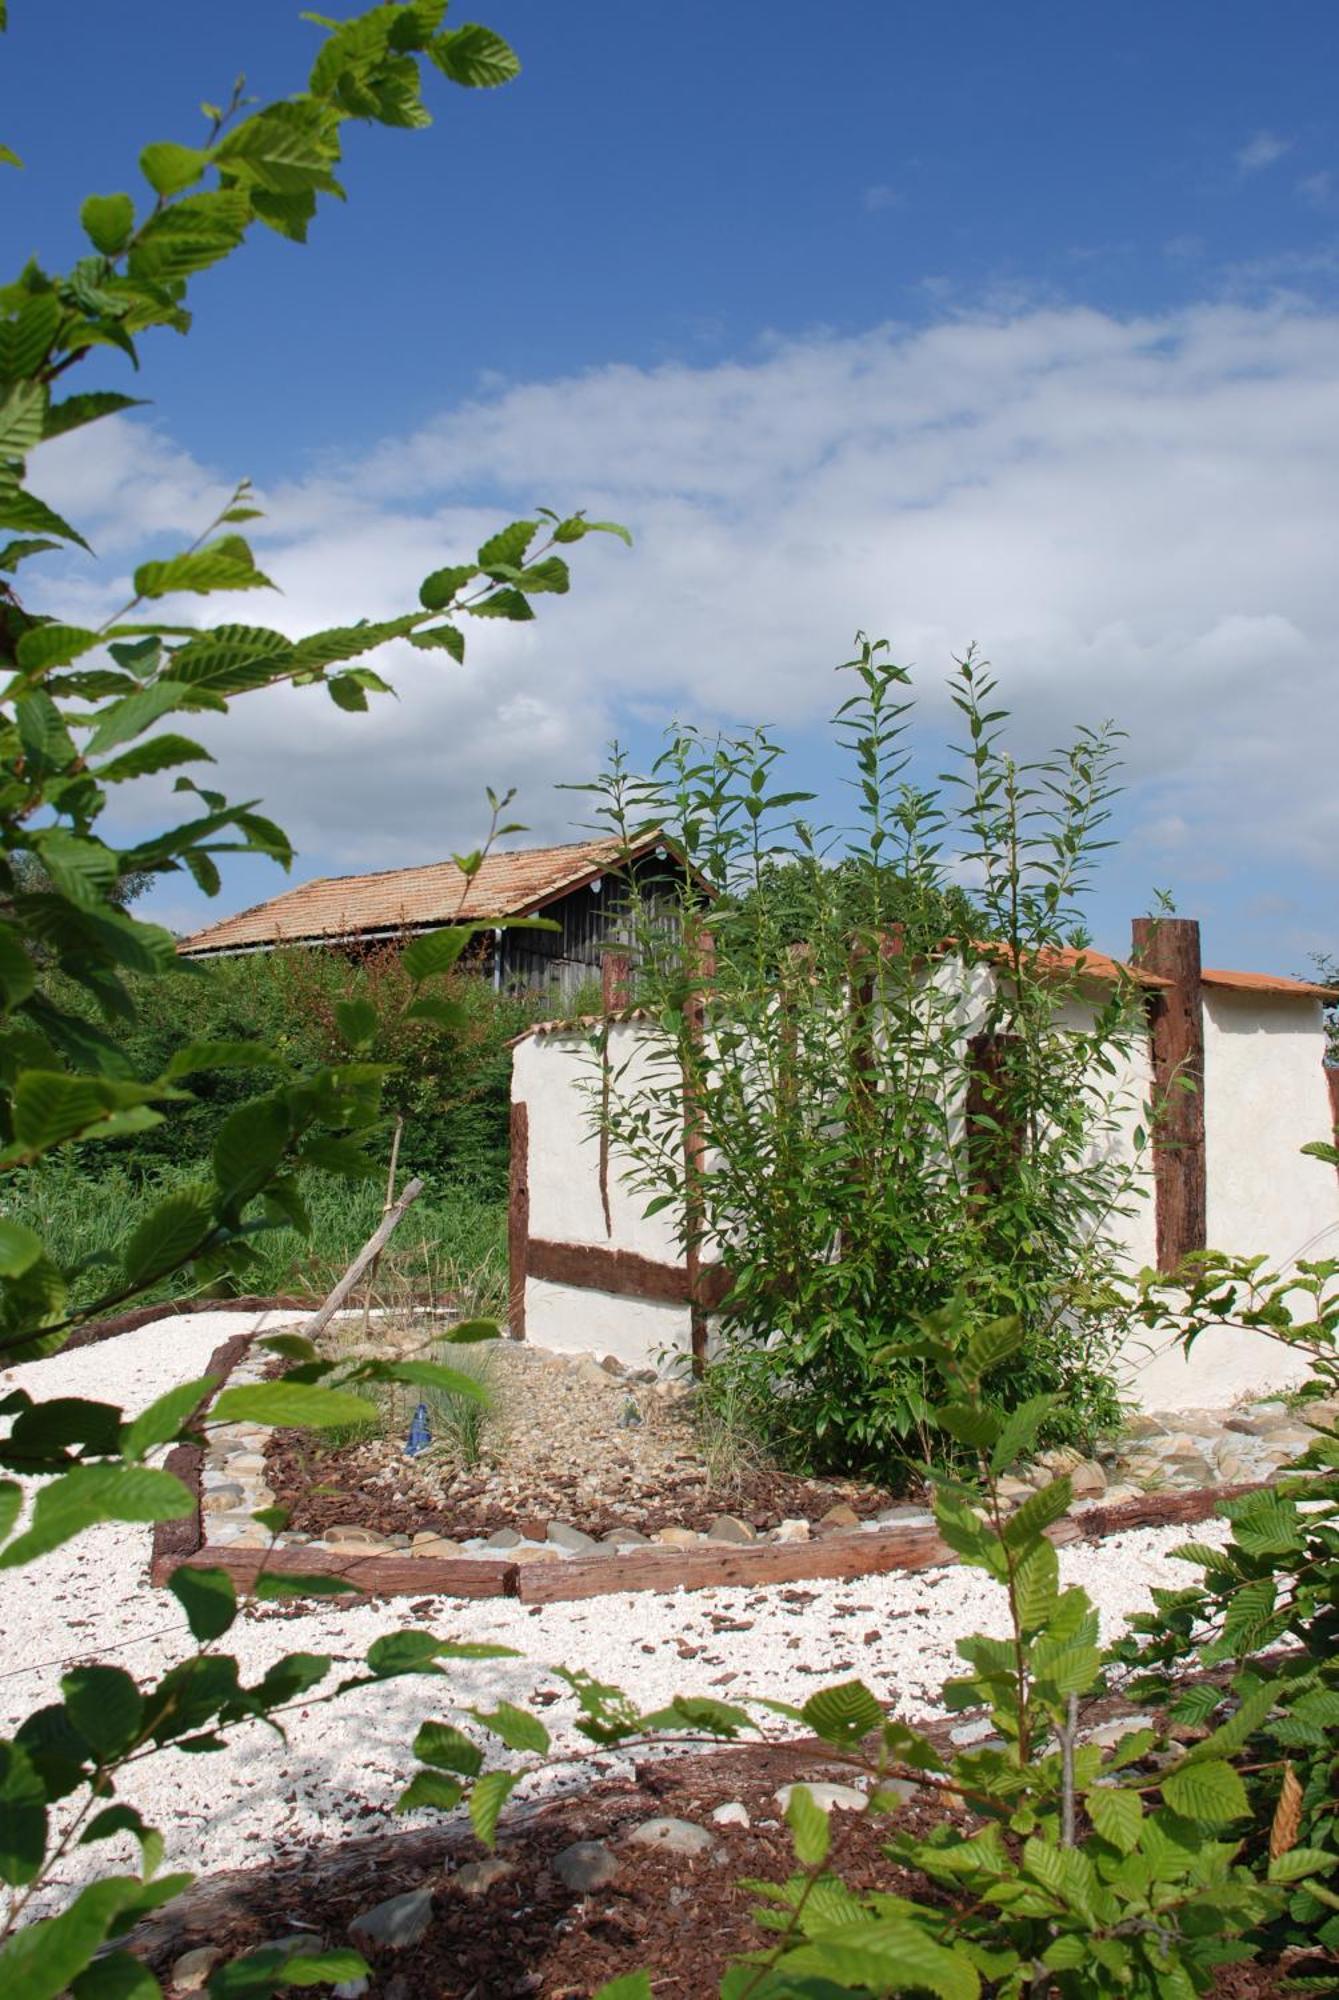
x=343, y=1764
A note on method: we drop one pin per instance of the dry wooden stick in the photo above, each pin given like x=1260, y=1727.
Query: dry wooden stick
x=367, y=1256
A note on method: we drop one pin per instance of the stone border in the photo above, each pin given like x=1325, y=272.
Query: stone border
x=565, y=1578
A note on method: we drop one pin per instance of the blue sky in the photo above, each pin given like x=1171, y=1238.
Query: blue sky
x=1015, y=325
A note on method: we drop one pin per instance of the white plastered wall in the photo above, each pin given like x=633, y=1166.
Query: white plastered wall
x=557, y=1077
x=1265, y=1096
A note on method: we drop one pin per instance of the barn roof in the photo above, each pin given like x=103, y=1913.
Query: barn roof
x=412, y=899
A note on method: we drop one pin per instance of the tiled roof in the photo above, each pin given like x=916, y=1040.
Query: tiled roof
x=1084, y=964
x=411, y=899
x=1268, y=982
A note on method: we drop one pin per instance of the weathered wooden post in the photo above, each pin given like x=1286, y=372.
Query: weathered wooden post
x=700, y=949
x=1170, y=946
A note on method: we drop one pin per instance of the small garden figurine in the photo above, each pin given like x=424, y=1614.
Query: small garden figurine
x=420, y=1437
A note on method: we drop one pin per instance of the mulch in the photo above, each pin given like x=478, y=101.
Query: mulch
x=683, y=1919
x=323, y=1486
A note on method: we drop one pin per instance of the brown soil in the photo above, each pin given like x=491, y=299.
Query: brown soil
x=682, y=1919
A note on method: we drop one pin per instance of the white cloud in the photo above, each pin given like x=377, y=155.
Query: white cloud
x=1134, y=517
x=1264, y=149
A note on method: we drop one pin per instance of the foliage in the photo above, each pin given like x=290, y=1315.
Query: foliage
x=887, y=1117
x=85, y=711
x=1267, y=1605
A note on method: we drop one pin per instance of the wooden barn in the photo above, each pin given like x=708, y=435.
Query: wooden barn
x=585, y=888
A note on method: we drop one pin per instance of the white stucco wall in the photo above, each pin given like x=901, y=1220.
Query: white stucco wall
x=1265, y=1097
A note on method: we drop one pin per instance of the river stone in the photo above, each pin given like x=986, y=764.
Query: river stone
x=223, y=1498
x=395, y=1924
x=625, y=1538
x=192, y=1969
x=352, y=1535
x=840, y=1516
x=1088, y=1480
x=504, y=1538
x=434, y=1545
x=586, y=1865
x=791, y=1531
x=726, y=1528
x=677, y=1538
x=476, y=1878
x=677, y=1836
x=564, y=1536
x=734, y=1813
x=534, y=1552
x=828, y=1798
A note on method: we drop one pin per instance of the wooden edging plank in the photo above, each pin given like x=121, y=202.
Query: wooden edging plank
x=862, y=1552
x=373, y=1572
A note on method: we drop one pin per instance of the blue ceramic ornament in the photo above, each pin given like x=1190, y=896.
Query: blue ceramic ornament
x=420, y=1437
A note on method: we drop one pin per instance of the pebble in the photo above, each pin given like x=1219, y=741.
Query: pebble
x=676, y=1836
x=192, y=1969
x=503, y=1538
x=476, y=1878
x=564, y=1536
x=840, y=1516
x=791, y=1531
x=828, y=1798
x=434, y=1545
x=395, y=1924
x=586, y=1865
x=726, y=1528
x=734, y=1813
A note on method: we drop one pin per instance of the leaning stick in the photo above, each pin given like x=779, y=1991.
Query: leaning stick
x=370, y=1251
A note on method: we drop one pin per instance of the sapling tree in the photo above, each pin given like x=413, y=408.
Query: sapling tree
x=893, y=1115
x=85, y=711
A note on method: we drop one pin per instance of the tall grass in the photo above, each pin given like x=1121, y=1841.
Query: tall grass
x=451, y=1243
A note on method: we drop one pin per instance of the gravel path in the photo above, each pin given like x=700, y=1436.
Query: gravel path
x=342, y=1766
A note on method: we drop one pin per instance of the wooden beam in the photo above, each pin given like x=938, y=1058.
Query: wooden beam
x=594, y=1268
x=518, y=1219
x=377, y=1572
x=615, y=980
x=1170, y=946
x=701, y=971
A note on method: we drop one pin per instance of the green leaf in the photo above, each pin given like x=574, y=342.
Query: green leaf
x=93, y=1493
x=1117, y=1815
x=475, y=57
x=809, y=1829
x=24, y=511
x=41, y=1960
x=20, y=1248
x=117, y=1976
x=891, y=1955
x=993, y=1343
x=970, y=1423
x=1038, y=1512
x=23, y=1819
x=502, y=604
x=233, y=659
x=577, y=527
x=430, y=1788
x=53, y=645
x=22, y=420
x=345, y=692
x=209, y=1599
x=487, y=1797
x=356, y=1021
x=448, y=1749
x=274, y=1584
x=165, y=1416
x=844, y=1714
x=436, y=952
x=1036, y=1585
x=296, y=1405
x=628, y=1986
x=160, y=753
x=11, y=1505
x=109, y=221
x=165, y=1238
x=435, y=1375
x=224, y=564
x=168, y=168
x=405, y=1653
x=441, y=587
x=249, y=1146
x=1211, y=1793
x=1299, y=1862
x=106, y=1708
x=516, y=1728
x=50, y=1107
x=446, y=1014
x=220, y=1055
x=552, y=574
x=75, y=411
x=445, y=637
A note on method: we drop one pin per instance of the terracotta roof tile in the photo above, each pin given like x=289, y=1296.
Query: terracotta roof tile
x=409, y=899
x=1268, y=982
